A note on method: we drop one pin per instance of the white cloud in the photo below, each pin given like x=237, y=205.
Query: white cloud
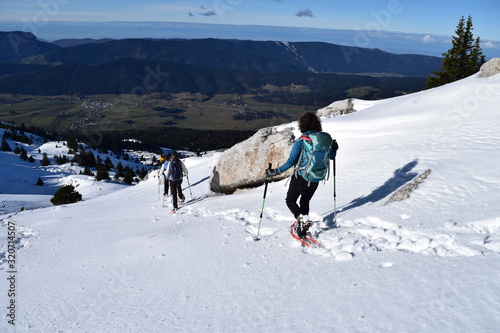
x=428, y=39
x=489, y=45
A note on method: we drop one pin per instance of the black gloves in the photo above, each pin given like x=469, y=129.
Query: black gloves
x=271, y=173
x=335, y=145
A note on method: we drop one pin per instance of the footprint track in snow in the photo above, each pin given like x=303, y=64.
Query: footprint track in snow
x=21, y=240
x=372, y=234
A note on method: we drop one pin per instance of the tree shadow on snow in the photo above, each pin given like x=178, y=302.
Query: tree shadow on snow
x=400, y=177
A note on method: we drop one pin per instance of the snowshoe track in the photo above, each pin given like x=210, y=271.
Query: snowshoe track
x=369, y=234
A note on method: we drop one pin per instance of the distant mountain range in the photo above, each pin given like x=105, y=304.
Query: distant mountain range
x=391, y=41
x=248, y=56
x=208, y=66
x=17, y=45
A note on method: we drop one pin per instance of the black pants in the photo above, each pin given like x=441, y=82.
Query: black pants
x=176, y=190
x=165, y=187
x=299, y=188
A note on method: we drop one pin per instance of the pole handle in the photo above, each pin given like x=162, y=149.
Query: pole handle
x=263, y=202
x=266, y=182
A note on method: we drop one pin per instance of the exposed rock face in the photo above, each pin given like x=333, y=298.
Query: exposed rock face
x=405, y=191
x=337, y=108
x=245, y=163
x=490, y=68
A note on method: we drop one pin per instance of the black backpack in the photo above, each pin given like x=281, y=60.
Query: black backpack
x=175, y=169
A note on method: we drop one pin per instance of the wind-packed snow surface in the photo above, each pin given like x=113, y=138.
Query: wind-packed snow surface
x=121, y=262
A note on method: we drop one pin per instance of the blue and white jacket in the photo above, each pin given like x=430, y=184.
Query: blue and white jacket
x=163, y=170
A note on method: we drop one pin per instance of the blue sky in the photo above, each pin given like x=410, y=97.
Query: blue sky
x=410, y=16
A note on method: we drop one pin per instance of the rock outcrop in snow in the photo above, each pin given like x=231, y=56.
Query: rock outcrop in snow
x=244, y=164
x=490, y=68
x=337, y=108
x=405, y=191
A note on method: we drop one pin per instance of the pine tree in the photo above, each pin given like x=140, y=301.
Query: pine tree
x=463, y=59
x=101, y=173
x=109, y=165
x=86, y=171
x=23, y=154
x=60, y=159
x=72, y=144
x=45, y=160
x=143, y=173
x=85, y=158
x=65, y=195
x=129, y=176
x=5, y=145
x=119, y=171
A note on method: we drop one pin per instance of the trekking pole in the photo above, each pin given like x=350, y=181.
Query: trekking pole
x=189, y=186
x=334, y=196
x=158, y=187
x=263, y=201
x=166, y=185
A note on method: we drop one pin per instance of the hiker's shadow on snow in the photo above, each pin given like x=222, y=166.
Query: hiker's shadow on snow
x=400, y=177
x=196, y=199
x=198, y=182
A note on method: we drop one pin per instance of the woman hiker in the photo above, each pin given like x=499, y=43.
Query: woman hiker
x=302, y=184
x=175, y=172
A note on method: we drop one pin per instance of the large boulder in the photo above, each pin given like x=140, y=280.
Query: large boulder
x=490, y=68
x=244, y=164
x=337, y=108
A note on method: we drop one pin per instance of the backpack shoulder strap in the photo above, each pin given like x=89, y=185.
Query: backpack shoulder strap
x=306, y=139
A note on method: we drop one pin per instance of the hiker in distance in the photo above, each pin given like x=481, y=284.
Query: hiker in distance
x=175, y=172
x=164, y=159
x=310, y=155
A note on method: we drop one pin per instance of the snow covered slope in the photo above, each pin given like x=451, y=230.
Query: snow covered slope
x=122, y=263
x=17, y=185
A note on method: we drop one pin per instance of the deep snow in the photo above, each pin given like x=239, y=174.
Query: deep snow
x=120, y=262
